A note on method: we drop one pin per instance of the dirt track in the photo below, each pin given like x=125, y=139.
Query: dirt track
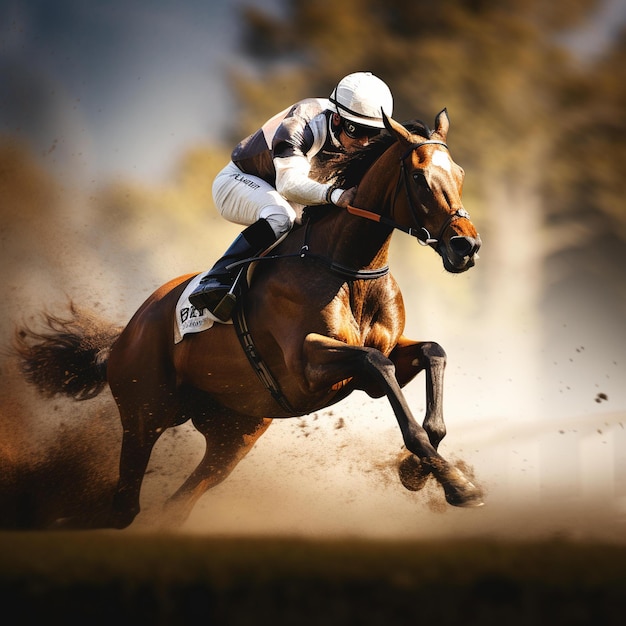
x=126, y=578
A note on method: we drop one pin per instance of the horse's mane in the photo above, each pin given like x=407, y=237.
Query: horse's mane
x=346, y=170
x=349, y=169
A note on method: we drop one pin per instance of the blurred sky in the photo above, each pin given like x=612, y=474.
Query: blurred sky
x=119, y=86
x=123, y=87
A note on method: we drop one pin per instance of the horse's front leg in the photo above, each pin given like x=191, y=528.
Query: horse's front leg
x=411, y=357
x=329, y=361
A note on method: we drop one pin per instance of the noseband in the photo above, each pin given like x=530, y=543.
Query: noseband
x=421, y=233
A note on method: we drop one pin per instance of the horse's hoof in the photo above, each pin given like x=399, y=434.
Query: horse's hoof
x=466, y=500
x=459, y=490
x=412, y=472
x=462, y=492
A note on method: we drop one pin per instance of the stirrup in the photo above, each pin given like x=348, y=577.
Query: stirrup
x=201, y=298
x=225, y=307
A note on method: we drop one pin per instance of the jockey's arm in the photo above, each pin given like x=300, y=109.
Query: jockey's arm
x=294, y=184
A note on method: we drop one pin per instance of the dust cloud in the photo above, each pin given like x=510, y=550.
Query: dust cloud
x=545, y=439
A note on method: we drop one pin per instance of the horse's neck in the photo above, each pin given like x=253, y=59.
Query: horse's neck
x=349, y=240
x=368, y=238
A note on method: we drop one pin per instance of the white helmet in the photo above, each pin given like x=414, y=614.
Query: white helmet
x=359, y=97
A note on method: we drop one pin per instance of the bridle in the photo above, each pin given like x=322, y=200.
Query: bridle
x=421, y=233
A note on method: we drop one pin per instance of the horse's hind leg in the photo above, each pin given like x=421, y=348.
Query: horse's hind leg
x=148, y=405
x=229, y=437
x=137, y=446
x=142, y=426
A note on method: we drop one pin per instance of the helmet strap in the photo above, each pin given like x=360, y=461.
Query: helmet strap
x=340, y=107
x=335, y=125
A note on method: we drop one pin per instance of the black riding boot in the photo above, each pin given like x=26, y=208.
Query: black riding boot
x=213, y=292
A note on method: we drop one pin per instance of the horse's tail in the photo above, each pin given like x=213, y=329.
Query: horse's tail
x=70, y=356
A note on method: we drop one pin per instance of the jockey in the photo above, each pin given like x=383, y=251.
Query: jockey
x=272, y=174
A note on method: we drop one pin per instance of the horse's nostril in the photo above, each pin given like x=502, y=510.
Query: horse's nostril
x=464, y=246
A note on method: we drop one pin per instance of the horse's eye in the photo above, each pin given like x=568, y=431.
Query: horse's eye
x=419, y=177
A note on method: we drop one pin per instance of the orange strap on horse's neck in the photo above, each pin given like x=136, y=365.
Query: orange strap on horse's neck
x=375, y=217
x=369, y=215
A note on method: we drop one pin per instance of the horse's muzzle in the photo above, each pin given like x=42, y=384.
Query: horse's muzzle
x=461, y=253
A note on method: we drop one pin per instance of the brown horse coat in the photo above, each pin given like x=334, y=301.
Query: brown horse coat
x=326, y=318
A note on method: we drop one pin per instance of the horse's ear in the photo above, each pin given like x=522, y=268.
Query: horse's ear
x=442, y=124
x=395, y=128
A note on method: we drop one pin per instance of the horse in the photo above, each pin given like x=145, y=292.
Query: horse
x=322, y=317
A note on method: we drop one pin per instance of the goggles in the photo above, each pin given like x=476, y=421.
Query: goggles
x=356, y=131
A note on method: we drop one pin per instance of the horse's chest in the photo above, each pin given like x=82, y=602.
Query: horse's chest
x=367, y=326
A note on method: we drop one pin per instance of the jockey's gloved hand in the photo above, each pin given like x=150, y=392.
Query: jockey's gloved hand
x=343, y=197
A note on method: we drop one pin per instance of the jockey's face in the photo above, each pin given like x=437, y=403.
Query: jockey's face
x=351, y=136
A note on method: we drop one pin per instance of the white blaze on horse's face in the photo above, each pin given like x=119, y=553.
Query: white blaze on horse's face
x=440, y=158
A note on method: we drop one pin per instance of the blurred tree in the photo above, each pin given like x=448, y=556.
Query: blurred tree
x=514, y=93
x=167, y=230
x=33, y=215
x=587, y=185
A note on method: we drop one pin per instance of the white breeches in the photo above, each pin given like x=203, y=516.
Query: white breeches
x=244, y=199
